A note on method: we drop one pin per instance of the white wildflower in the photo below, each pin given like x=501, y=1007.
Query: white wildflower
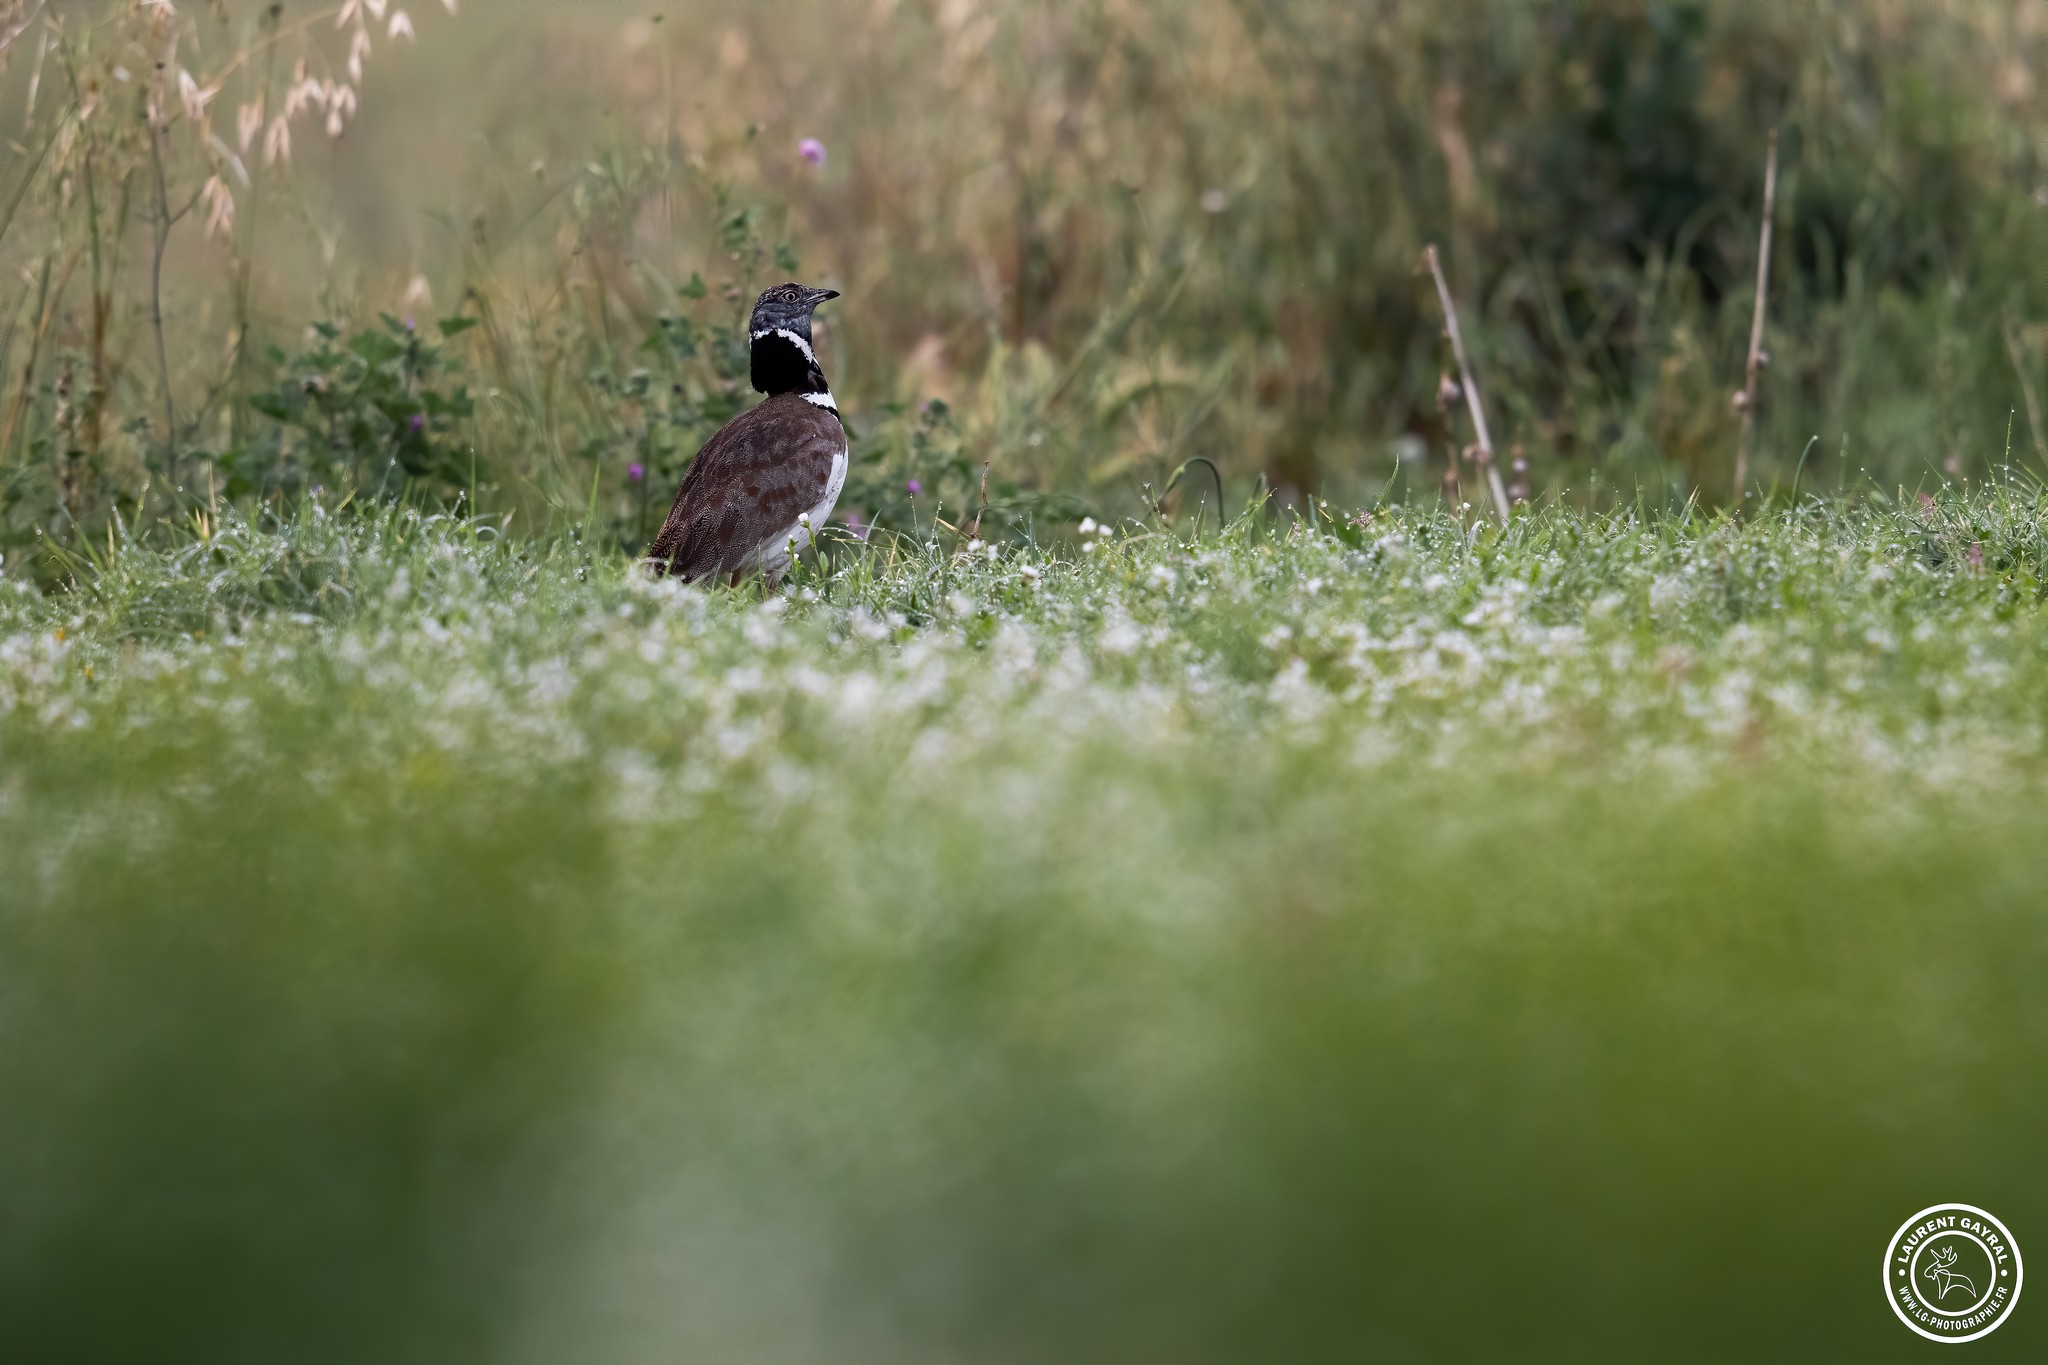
x=1120, y=635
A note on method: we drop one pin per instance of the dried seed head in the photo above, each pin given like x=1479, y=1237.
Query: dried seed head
x=249, y=122
x=306, y=92
x=194, y=97
x=341, y=106
x=1448, y=394
x=358, y=51
x=219, y=203
x=277, y=143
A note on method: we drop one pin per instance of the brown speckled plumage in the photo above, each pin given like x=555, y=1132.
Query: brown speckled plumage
x=738, y=509
x=748, y=484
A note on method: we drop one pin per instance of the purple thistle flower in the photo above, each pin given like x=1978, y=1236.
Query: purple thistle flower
x=914, y=487
x=856, y=523
x=418, y=423
x=411, y=325
x=635, y=472
x=811, y=150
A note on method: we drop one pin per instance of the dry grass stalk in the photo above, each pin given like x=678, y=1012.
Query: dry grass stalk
x=1745, y=402
x=974, y=531
x=1485, y=437
x=2016, y=345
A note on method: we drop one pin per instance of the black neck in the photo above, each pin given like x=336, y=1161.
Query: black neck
x=780, y=366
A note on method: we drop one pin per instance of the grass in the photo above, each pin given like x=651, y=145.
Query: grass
x=1377, y=939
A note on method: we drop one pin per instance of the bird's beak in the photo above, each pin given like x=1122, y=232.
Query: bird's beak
x=818, y=296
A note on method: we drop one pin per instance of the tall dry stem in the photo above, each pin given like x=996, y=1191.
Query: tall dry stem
x=164, y=221
x=1484, y=437
x=1746, y=400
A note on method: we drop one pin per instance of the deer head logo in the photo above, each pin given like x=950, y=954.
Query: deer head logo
x=1940, y=1270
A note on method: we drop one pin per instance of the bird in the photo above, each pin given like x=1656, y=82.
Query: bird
x=769, y=478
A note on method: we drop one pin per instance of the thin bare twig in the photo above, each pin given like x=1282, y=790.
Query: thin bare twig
x=164, y=220
x=1745, y=401
x=1443, y=293
x=48, y=303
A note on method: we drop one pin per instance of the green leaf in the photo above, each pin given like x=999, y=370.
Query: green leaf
x=375, y=347
x=455, y=327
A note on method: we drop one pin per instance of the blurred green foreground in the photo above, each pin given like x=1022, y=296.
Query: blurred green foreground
x=1581, y=942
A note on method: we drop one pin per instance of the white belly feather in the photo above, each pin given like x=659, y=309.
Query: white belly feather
x=773, y=556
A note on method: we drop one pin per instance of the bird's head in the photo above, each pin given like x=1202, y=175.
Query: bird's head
x=787, y=308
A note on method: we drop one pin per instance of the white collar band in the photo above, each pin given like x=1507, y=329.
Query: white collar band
x=793, y=339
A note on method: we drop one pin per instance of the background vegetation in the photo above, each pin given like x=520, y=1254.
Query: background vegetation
x=1108, y=235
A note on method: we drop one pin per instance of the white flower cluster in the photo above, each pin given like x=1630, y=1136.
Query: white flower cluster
x=1012, y=678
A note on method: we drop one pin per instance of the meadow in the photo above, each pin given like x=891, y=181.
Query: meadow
x=1372, y=939
x=1177, y=878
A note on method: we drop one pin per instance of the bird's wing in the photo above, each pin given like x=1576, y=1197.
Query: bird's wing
x=747, y=485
